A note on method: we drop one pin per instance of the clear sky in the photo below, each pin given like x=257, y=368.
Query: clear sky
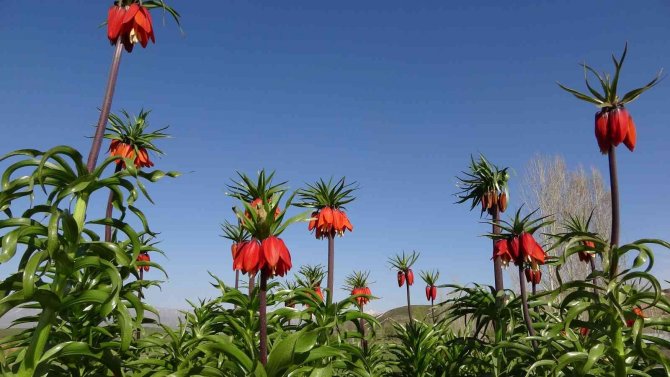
x=393, y=94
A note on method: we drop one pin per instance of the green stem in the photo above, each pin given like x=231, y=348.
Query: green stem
x=620, y=357
x=110, y=208
x=524, y=301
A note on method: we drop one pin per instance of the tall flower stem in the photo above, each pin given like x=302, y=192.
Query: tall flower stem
x=409, y=304
x=331, y=267
x=106, y=107
x=432, y=309
x=252, y=283
x=110, y=208
x=534, y=289
x=262, y=317
x=364, y=342
x=237, y=279
x=497, y=264
x=524, y=301
x=614, y=189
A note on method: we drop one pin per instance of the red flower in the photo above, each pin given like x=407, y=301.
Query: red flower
x=502, y=202
x=123, y=150
x=401, y=278
x=585, y=256
x=631, y=136
x=514, y=249
x=410, y=277
x=114, y=21
x=431, y=292
x=361, y=291
x=530, y=250
x=501, y=249
x=328, y=221
x=272, y=256
x=519, y=249
x=132, y=24
x=234, y=248
x=143, y=257
x=614, y=126
x=637, y=311
x=318, y=292
x=584, y=331
x=533, y=276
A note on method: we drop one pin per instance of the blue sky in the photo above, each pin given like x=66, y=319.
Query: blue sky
x=395, y=95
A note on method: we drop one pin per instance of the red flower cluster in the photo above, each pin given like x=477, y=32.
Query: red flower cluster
x=329, y=220
x=585, y=256
x=533, y=275
x=271, y=256
x=519, y=249
x=431, y=292
x=613, y=126
x=402, y=276
x=491, y=199
x=143, y=257
x=132, y=24
x=361, y=291
x=120, y=149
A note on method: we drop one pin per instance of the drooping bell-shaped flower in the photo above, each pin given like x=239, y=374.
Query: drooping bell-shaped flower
x=132, y=24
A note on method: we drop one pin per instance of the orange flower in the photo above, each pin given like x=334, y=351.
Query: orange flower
x=361, y=291
x=637, y=311
x=123, y=150
x=328, y=220
x=143, y=257
x=132, y=24
x=318, y=292
x=613, y=126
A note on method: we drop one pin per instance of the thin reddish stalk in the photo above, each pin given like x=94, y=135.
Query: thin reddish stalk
x=614, y=189
x=106, y=107
x=262, y=317
x=252, y=283
x=432, y=309
x=497, y=264
x=524, y=301
x=237, y=279
x=409, y=304
x=331, y=266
